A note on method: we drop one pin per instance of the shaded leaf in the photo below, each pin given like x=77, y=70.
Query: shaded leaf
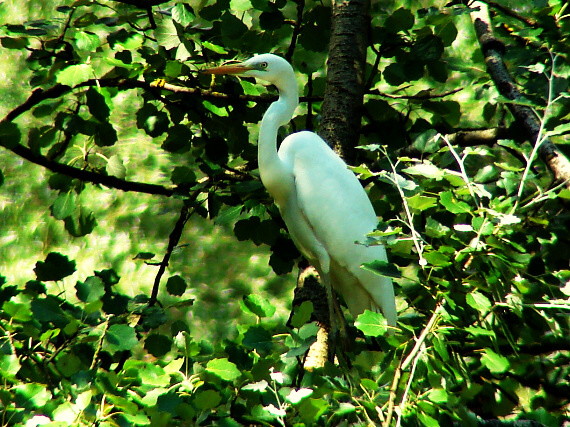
x=258, y=305
x=176, y=285
x=121, y=337
x=55, y=267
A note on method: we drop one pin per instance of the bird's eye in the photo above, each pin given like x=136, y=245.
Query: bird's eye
x=263, y=65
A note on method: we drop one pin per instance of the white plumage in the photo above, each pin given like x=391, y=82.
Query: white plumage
x=326, y=210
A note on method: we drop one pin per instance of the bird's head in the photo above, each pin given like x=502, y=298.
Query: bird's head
x=268, y=67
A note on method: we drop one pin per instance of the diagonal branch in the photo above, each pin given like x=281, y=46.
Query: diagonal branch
x=173, y=240
x=493, y=50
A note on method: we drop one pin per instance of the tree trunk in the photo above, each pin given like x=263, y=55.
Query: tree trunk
x=342, y=106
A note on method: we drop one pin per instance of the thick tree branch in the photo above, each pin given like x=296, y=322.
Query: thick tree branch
x=493, y=50
x=86, y=175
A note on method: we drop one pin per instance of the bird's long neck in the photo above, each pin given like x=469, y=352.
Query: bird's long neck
x=276, y=177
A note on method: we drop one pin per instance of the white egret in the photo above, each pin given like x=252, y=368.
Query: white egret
x=324, y=206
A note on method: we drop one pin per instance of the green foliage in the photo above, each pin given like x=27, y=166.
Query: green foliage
x=477, y=235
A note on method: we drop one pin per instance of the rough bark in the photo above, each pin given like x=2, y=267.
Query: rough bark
x=493, y=50
x=340, y=126
x=342, y=106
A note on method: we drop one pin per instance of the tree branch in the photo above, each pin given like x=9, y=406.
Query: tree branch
x=423, y=95
x=86, y=175
x=173, y=240
x=493, y=50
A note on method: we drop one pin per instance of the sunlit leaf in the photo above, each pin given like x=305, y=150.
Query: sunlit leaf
x=75, y=74
x=496, y=363
x=223, y=368
x=371, y=323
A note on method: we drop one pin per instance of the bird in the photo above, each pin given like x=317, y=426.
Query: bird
x=326, y=210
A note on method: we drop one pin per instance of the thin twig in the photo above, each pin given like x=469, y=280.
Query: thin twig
x=423, y=95
x=412, y=357
x=461, y=162
x=173, y=240
x=540, y=137
x=416, y=237
x=296, y=30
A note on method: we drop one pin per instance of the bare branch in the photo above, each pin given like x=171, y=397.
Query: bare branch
x=86, y=175
x=493, y=50
x=423, y=95
x=173, y=240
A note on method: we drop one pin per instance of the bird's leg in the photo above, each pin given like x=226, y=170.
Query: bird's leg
x=338, y=327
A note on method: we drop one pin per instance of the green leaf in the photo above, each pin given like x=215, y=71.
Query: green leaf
x=258, y=338
x=183, y=175
x=382, y=268
x=426, y=169
x=144, y=255
x=31, y=396
x=258, y=305
x=478, y=301
x=48, y=310
x=9, y=366
x=55, y=267
x=105, y=134
x=75, y=74
x=80, y=224
x=232, y=29
x=400, y=20
x=223, y=368
x=302, y=314
x=152, y=121
x=182, y=13
x=91, y=290
x=438, y=395
x=311, y=410
x=157, y=344
x=559, y=130
x=97, y=104
x=64, y=205
x=273, y=20
x=214, y=48
x=14, y=42
x=115, y=167
x=437, y=259
x=178, y=139
x=229, y=215
x=420, y=202
x=496, y=363
x=207, y=399
x=167, y=34
x=176, y=285
x=9, y=134
x=86, y=40
x=371, y=324
x=452, y=204
x=121, y=337
x=17, y=311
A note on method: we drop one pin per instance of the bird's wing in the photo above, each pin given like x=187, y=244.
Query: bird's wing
x=338, y=210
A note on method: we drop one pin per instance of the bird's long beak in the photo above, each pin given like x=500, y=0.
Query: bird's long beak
x=239, y=68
